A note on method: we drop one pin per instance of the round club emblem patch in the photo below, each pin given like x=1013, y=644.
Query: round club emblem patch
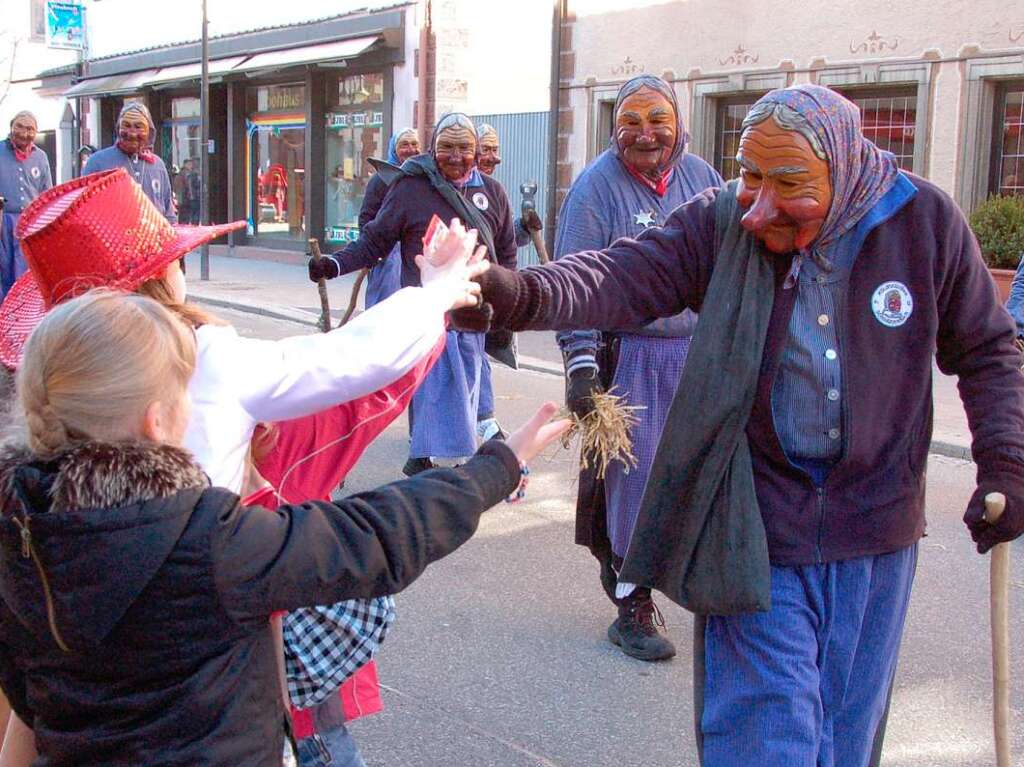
x=892, y=304
x=155, y=184
x=481, y=201
x=35, y=172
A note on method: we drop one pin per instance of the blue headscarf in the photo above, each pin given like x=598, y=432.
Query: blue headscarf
x=860, y=172
x=393, y=144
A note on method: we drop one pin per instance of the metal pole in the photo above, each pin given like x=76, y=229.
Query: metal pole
x=204, y=148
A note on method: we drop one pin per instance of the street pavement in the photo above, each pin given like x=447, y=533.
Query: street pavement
x=498, y=657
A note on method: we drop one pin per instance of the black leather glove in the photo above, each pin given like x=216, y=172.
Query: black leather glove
x=583, y=384
x=322, y=269
x=1010, y=525
x=531, y=221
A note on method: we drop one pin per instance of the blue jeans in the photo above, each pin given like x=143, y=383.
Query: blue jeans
x=334, y=748
x=806, y=684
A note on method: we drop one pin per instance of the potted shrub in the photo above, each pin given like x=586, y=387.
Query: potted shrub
x=998, y=223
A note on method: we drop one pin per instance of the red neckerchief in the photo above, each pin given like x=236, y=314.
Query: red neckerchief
x=145, y=155
x=659, y=187
x=22, y=154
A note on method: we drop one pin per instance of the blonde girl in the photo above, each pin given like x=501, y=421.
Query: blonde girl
x=133, y=597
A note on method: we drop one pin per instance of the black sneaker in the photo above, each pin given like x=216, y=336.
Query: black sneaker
x=637, y=629
x=415, y=466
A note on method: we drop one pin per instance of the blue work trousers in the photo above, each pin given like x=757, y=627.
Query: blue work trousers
x=807, y=683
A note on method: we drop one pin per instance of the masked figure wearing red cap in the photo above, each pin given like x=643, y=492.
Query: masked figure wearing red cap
x=133, y=151
x=102, y=231
x=787, y=495
x=24, y=167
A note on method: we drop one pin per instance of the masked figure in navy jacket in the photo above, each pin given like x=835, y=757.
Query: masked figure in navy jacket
x=787, y=496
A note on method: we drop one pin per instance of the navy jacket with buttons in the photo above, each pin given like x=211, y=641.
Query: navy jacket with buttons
x=918, y=291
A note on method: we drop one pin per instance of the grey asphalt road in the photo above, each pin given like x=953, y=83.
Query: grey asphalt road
x=498, y=656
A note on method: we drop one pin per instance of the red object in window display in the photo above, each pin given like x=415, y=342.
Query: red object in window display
x=273, y=190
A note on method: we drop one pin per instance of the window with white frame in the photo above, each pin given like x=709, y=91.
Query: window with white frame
x=888, y=117
x=1007, y=174
x=729, y=117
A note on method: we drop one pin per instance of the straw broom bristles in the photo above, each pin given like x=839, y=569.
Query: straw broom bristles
x=604, y=433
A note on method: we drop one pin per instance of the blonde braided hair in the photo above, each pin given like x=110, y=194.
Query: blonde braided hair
x=93, y=366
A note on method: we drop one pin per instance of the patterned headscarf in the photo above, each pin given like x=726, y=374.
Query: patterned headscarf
x=655, y=84
x=393, y=144
x=860, y=172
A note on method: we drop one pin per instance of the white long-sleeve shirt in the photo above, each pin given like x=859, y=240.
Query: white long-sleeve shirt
x=240, y=382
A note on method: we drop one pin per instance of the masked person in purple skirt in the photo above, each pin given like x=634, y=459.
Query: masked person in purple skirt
x=635, y=184
x=787, y=495
x=446, y=183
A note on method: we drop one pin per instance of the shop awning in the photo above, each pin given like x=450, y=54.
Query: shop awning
x=186, y=72
x=112, y=85
x=310, y=54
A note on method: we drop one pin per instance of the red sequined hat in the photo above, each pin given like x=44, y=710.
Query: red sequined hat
x=97, y=231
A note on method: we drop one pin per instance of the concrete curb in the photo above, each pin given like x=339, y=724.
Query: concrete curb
x=950, y=450
x=272, y=310
x=533, y=364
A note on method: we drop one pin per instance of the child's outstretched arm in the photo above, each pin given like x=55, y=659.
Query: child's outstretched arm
x=369, y=544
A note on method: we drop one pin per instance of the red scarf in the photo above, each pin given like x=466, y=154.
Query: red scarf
x=659, y=187
x=22, y=154
x=145, y=155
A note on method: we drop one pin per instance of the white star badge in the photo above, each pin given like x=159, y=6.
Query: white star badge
x=645, y=219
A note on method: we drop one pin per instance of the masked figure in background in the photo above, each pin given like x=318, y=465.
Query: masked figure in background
x=633, y=185
x=444, y=183
x=487, y=425
x=385, y=278
x=134, y=152
x=24, y=167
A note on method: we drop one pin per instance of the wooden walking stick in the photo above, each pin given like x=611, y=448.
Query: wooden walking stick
x=324, y=323
x=355, y=297
x=995, y=504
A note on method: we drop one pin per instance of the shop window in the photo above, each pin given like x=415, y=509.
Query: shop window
x=1007, y=177
x=888, y=117
x=181, y=150
x=276, y=147
x=354, y=131
x=728, y=127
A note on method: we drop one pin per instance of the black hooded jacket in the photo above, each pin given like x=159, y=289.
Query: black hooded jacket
x=134, y=599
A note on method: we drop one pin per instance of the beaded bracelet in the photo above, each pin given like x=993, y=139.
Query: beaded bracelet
x=524, y=480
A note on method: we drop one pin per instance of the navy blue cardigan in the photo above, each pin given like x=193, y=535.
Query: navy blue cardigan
x=873, y=499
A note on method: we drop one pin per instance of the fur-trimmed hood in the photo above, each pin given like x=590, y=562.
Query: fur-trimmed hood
x=83, y=533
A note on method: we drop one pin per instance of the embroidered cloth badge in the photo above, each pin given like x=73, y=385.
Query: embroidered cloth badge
x=892, y=304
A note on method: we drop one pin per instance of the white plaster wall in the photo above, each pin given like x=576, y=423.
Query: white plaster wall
x=406, y=85
x=697, y=38
x=493, y=56
x=18, y=83
x=706, y=34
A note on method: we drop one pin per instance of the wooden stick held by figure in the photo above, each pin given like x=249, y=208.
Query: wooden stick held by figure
x=324, y=323
x=999, y=575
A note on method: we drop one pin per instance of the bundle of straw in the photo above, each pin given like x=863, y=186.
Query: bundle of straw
x=604, y=433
